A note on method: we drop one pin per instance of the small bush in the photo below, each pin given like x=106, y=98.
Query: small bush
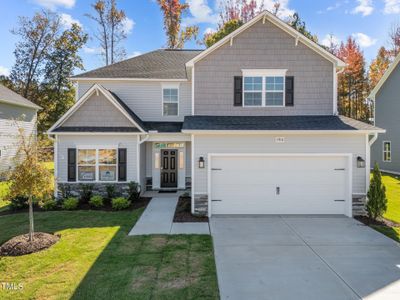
x=377, y=201
x=120, y=203
x=48, y=204
x=86, y=192
x=65, y=191
x=96, y=201
x=134, y=191
x=19, y=202
x=70, y=203
x=110, y=190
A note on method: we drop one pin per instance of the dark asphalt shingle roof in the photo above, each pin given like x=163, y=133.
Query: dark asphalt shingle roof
x=94, y=129
x=274, y=123
x=164, y=126
x=158, y=64
x=9, y=96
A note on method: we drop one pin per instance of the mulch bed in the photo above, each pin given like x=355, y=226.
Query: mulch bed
x=183, y=214
x=20, y=245
x=143, y=202
x=380, y=222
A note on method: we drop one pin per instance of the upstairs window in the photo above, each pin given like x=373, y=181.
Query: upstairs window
x=387, y=151
x=264, y=88
x=170, y=99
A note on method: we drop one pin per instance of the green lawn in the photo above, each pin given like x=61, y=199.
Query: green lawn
x=95, y=259
x=392, y=183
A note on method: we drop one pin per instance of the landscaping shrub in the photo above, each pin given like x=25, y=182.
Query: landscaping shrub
x=48, y=204
x=120, y=203
x=86, y=192
x=110, y=190
x=70, y=203
x=65, y=191
x=377, y=201
x=18, y=202
x=134, y=191
x=96, y=201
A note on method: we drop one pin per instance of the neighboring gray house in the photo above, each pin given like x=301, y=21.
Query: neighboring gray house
x=386, y=96
x=250, y=125
x=15, y=112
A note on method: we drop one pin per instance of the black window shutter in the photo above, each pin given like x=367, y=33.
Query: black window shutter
x=238, y=91
x=71, y=164
x=289, y=97
x=121, y=164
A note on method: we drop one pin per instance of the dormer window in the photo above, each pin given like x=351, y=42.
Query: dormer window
x=170, y=99
x=264, y=88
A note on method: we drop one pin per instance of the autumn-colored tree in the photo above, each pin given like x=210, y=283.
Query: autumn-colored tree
x=242, y=10
x=379, y=66
x=352, y=82
x=213, y=37
x=173, y=11
x=29, y=179
x=394, y=37
x=110, y=29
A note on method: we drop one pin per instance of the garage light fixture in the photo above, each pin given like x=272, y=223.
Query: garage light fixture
x=360, y=162
x=201, y=162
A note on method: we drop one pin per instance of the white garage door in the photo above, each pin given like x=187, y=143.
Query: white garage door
x=279, y=185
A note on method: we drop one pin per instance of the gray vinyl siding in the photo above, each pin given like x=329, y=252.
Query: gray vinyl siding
x=387, y=116
x=73, y=141
x=12, y=118
x=263, y=46
x=354, y=144
x=145, y=98
x=98, y=111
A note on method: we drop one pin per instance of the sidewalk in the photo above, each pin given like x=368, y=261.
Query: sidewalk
x=158, y=219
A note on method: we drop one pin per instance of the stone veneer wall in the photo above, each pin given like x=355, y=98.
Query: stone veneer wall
x=121, y=189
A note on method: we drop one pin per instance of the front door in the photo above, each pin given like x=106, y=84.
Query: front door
x=168, y=168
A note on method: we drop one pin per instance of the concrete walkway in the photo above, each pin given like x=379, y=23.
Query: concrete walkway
x=158, y=219
x=303, y=257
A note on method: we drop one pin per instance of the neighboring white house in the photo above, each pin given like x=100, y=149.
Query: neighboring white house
x=15, y=112
x=250, y=125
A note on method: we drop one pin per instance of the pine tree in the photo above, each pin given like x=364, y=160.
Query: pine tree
x=377, y=202
x=378, y=66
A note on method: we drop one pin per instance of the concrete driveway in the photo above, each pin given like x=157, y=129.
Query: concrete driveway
x=303, y=257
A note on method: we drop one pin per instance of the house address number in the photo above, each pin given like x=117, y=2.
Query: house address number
x=279, y=139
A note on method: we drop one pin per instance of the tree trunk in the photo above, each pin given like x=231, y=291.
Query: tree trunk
x=31, y=228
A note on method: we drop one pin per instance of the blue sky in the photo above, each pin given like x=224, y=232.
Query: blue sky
x=369, y=21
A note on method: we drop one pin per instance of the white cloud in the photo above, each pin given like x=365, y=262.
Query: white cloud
x=284, y=10
x=364, y=40
x=201, y=13
x=392, y=7
x=134, y=54
x=67, y=21
x=364, y=7
x=92, y=50
x=4, y=71
x=330, y=39
x=53, y=4
x=127, y=25
x=209, y=30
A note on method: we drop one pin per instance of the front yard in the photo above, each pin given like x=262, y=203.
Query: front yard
x=95, y=259
x=392, y=183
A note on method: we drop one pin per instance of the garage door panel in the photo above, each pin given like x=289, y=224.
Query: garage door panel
x=278, y=185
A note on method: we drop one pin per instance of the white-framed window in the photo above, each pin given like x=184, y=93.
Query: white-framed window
x=387, y=151
x=97, y=164
x=264, y=88
x=170, y=100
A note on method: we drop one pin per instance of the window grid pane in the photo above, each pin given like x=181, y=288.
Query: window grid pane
x=108, y=156
x=170, y=109
x=274, y=99
x=387, y=153
x=252, y=99
x=274, y=84
x=253, y=83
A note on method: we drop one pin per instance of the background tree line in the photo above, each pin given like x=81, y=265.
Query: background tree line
x=47, y=53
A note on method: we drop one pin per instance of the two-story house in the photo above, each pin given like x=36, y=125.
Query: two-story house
x=249, y=124
x=386, y=97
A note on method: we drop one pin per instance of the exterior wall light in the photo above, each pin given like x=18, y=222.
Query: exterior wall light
x=201, y=162
x=360, y=162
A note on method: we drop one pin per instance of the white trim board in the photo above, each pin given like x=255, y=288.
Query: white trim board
x=349, y=156
x=124, y=79
x=96, y=88
x=294, y=132
x=279, y=23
